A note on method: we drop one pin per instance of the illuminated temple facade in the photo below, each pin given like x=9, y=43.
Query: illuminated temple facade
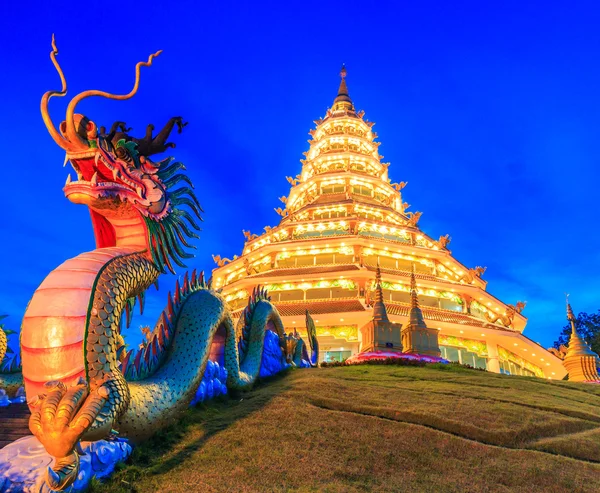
x=341, y=219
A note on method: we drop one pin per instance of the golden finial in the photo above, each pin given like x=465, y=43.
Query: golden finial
x=570, y=315
x=343, y=101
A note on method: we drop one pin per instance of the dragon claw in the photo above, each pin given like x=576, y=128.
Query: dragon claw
x=58, y=419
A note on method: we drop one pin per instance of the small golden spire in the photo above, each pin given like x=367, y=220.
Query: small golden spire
x=415, y=315
x=379, y=311
x=414, y=299
x=577, y=346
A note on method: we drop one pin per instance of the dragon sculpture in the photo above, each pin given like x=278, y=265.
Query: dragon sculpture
x=10, y=369
x=74, y=361
x=297, y=352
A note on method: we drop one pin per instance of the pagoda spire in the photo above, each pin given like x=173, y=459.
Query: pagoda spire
x=342, y=102
x=416, y=336
x=577, y=346
x=379, y=310
x=580, y=361
x=415, y=315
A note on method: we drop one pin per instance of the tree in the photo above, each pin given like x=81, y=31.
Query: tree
x=588, y=327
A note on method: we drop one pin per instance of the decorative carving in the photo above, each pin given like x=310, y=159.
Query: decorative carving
x=519, y=306
x=221, y=261
x=413, y=218
x=561, y=352
x=387, y=200
x=249, y=268
x=399, y=186
x=444, y=241
x=283, y=199
x=471, y=274
x=281, y=212
x=504, y=319
x=292, y=181
x=249, y=236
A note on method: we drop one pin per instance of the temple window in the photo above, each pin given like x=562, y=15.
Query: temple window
x=329, y=293
x=304, y=260
x=319, y=293
x=400, y=296
x=333, y=188
x=330, y=214
x=287, y=262
x=318, y=259
x=324, y=258
x=513, y=364
x=341, y=258
x=330, y=356
x=450, y=305
x=425, y=299
x=511, y=368
x=389, y=262
x=464, y=357
x=360, y=189
x=291, y=295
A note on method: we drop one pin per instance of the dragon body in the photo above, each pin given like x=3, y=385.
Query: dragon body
x=80, y=381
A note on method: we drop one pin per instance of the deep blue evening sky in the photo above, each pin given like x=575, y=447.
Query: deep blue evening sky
x=491, y=114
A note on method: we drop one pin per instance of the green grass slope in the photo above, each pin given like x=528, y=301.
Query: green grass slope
x=380, y=428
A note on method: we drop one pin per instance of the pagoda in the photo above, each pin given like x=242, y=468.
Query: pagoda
x=342, y=218
x=580, y=361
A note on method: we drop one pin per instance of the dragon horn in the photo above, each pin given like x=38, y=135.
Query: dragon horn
x=55, y=134
x=71, y=132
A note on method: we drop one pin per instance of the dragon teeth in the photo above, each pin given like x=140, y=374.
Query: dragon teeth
x=115, y=173
x=68, y=179
x=66, y=160
x=95, y=179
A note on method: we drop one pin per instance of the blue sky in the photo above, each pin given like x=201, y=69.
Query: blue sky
x=492, y=114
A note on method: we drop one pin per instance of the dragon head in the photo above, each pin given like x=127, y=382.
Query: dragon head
x=119, y=182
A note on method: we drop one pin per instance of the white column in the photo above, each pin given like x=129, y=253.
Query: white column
x=493, y=363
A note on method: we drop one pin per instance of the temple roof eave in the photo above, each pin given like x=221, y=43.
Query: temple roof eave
x=435, y=253
x=441, y=255
x=365, y=274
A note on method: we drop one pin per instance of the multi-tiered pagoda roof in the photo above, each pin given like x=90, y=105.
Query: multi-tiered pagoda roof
x=342, y=217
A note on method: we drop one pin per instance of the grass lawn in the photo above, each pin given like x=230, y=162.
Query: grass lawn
x=380, y=428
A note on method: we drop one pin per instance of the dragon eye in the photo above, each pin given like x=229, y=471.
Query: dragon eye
x=123, y=154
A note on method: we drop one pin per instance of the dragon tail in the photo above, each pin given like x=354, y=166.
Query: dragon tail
x=312, y=340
